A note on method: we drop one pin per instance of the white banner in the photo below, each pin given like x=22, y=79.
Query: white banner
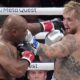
x=31, y=10
x=41, y=66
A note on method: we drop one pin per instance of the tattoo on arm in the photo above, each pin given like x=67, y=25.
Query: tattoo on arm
x=70, y=44
x=42, y=53
x=67, y=46
x=60, y=49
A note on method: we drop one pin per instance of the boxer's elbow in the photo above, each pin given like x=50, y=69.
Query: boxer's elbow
x=19, y=71
x=18, y=74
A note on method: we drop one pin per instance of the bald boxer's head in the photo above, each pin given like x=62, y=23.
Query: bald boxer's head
x=14, y=28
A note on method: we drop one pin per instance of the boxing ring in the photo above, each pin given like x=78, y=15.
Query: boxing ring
x=34, y=11
x=31, y=10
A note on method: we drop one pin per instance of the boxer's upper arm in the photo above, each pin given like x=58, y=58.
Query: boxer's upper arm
x=65, y=47
x=34, y=28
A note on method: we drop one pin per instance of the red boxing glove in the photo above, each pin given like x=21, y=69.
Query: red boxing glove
x=47, y=25
x=54, y=24
x=27, y=55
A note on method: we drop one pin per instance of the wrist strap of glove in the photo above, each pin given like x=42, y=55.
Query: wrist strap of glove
x=26, y=59
x=28, y=55
x=35, y=43
x=22, y=59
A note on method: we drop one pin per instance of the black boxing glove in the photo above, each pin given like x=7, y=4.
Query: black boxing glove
x=26, y=46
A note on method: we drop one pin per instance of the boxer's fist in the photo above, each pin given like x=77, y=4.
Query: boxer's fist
x=53, y=24
x=27, y=55
x=31, y=40
x=26, y=46
x=47, y=25
x=29, y=36
x=53, y=37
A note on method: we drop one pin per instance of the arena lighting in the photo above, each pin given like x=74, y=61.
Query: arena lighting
x=41, y=66
x=31, y=11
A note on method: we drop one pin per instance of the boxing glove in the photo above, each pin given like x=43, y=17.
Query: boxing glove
x=28, y=55
x=26, y=46
x=53, y=37
x=31, y=40
x=29, y=36
x=53, y=24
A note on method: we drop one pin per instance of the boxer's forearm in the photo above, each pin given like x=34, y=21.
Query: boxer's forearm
x=48, y=26
x=45, y=51
x=34, y=27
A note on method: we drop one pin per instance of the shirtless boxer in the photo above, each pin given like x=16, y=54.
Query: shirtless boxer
x=67, y=51
x=13, y=32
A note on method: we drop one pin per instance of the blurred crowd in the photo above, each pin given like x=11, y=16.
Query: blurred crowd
x=33, y=3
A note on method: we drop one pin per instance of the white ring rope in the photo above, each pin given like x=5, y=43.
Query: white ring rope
x=41, y=66
x=31, y=10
